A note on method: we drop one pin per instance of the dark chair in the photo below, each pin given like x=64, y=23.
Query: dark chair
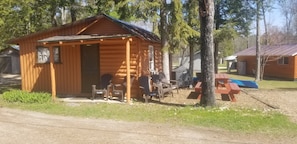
x=103, y=89
x=119, y=90
x=164, y=87
x=148, y=90
x=174, y=83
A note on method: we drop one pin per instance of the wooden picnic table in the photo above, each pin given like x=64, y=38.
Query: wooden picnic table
x=222, y=85
x=221, y=79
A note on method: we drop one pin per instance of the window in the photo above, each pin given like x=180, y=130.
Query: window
x=57, y=58
x=43, y=55
x=283, y=60
x=151, y=58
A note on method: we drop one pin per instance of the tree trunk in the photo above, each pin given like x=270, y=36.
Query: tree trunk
x=264, y=59
x=265, y=26
x=63, y=15
x=258, y=48
x=73, y=14
x=191, y=61
x=53, y=17
x=183, y=59
x=170, y=66
x=206, y=11
x=216, y=57
x=164, y=40
x=216, y=43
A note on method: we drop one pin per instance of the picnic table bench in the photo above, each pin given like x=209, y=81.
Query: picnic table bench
x=228, y=88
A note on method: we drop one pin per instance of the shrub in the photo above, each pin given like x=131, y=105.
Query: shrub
x=26, y=97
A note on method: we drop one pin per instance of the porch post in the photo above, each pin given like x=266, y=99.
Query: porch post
x=128, y=70
x=52, y=71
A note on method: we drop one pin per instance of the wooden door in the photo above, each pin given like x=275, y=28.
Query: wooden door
x=89, y=67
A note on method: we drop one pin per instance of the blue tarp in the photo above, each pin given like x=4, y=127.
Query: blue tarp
x=245, y=83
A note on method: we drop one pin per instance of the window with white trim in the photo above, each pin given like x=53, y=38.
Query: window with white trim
x=283, y=60
x=151, y=58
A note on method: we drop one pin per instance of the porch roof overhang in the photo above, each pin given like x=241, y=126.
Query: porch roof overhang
x=84, y=39
x=80, y=38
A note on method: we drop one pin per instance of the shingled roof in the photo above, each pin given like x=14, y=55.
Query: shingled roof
x=134, y=30
x=138, y=31
x=271, y=50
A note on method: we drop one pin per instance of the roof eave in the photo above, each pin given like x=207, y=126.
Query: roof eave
x=16, y=40
x=54, y=39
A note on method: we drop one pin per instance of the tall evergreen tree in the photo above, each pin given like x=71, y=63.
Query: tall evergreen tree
x=126, y=9
x=232, y=15
x=157, y=12
x=192, y=18
x=19, y=18
x=179, y=30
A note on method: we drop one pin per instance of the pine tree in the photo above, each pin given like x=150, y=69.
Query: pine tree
x=192, y=18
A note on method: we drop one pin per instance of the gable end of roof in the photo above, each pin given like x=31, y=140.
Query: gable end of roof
x=134, y=30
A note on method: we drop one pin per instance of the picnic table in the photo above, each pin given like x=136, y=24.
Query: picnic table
x=221, y=79
x=222, y=86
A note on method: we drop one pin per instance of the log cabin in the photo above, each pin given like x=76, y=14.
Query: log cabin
x=68, y=59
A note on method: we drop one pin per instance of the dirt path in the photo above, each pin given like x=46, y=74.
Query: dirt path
x=18, y=126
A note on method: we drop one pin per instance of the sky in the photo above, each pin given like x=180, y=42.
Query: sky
x=275, y=17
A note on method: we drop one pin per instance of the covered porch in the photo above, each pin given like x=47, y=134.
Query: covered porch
x=91, y=67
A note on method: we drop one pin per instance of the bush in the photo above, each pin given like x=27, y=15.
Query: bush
x=26, y=97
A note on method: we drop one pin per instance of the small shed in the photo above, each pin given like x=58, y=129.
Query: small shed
x=68, y=59
x=10, y=60
x=182, y=75
x=231, y=62
x=281, y=61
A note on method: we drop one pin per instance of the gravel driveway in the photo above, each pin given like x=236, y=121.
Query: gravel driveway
x=27, y=127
